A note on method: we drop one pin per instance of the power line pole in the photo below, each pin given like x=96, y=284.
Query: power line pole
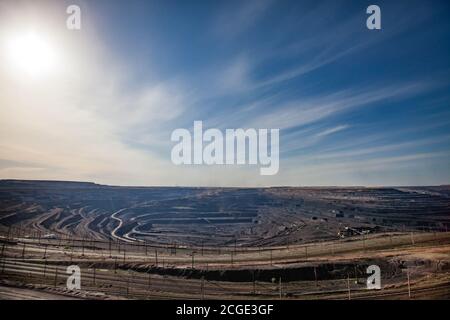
x=9, y=233
x=409, y=284
x=315, y=276
x=279, y=286
x=56, y=276
x=348, y=287
x=203, y=288
x=149, y=280
x=128, y=284
x=3, y=267
x=254, y=282
x=23, y=252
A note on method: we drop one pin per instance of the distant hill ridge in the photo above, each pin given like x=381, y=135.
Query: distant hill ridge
x=47, y=183
x=8, y=183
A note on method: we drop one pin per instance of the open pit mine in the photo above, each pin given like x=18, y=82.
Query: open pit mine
x=222, y=243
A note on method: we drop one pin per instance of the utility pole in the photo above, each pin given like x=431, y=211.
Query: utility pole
x=348, y=287
x=82, y=247
x=156, y=257
x=56, y=276
x=315, y=275
x=94, y=277
x=279, y=286
x=254, y=282
x=409, y=284
x=203, y=287
x=9, y=233
x=149, y=280
x=23, y=252
x=128, y=284
x=45, y=269
x=193, y=259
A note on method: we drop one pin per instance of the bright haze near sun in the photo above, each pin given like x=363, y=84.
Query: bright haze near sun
x=354, y=106
x=30, y=53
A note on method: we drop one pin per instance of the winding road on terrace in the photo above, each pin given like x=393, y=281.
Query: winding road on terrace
x=113, y=233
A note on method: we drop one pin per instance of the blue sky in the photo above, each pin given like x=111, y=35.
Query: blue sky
x=354, y=106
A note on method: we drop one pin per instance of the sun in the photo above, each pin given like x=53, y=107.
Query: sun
x=31, y=54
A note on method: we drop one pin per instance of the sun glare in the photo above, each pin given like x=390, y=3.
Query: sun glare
x=31, y=54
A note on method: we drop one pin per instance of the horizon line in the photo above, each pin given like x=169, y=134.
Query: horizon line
x=223, y=187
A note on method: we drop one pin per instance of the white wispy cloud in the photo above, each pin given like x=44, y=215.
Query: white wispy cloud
x=355, y=152
x=312, y=109
x=332, y=130
x=379, y=170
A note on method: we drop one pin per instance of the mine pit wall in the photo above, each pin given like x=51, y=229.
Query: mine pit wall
x=326, y=271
